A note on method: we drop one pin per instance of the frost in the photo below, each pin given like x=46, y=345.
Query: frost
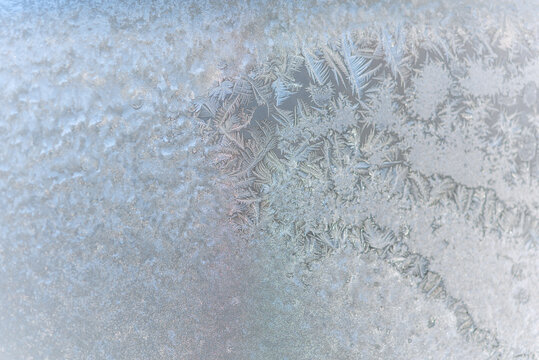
x=483, y=80
x=431, y=89
x=527, y=146
x=530, y=95
x=377, y=169
x=320, y=95
x=368, y=159
x=344, y=116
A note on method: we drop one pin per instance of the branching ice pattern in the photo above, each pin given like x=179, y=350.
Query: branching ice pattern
x=326, y=148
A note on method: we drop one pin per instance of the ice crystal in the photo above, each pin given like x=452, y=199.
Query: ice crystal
x=431, y=88
x=483, y=80
x=357, y=173
x=343, y=162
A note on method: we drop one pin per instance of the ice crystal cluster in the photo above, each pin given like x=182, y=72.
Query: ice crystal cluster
x=394, y=143
x=354, y=180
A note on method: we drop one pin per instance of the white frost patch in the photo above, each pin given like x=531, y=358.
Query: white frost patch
x=483, y=80
x=431, y=89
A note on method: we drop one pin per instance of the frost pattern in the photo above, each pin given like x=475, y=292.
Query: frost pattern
x=374, y=149
x=432, y=88
x=112, y=240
